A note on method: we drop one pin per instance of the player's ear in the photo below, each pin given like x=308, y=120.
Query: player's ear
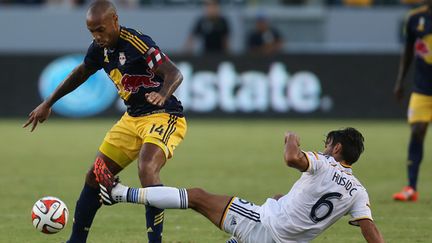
x=115, y=18
x=337, y=148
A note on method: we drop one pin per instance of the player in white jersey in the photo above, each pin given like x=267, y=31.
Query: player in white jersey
x=326, y=191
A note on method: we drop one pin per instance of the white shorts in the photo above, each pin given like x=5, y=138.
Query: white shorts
x=242, y=220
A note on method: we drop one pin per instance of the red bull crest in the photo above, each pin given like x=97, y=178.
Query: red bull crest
x=421, y=47
x=132, y=83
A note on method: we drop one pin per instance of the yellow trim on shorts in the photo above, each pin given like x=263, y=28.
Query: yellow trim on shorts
x=225, y=213
x=159, y=143
x=114, y=153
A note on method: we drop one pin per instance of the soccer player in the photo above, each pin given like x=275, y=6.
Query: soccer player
x=151, y=128
x=326, y=191
x=212, y=29
x=418, y=43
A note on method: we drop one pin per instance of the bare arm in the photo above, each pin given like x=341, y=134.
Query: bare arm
x=370, y=231
x=405, y=62
x=78, y=76
x=172, y=79
x=293, y=156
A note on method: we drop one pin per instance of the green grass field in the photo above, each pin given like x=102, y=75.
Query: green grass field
x=233, y=157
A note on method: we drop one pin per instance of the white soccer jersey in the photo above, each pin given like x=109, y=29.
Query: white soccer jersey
x=324, y=193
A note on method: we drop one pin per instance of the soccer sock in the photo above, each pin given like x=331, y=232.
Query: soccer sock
x=85, y=211
x=154, y=221
x=166, y=197
x=156, y=198
x=415, y=156
x=160, y=196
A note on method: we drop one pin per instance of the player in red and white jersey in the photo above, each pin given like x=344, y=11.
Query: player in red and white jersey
x=326, y=191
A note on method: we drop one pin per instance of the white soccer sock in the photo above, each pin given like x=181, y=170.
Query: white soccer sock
x=166, y=197
x=119, y=193
x=158, y=196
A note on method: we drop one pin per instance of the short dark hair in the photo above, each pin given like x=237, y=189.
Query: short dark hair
x=351, y=140
x=101, y=7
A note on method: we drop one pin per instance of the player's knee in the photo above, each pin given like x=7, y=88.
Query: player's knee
x=148, y=167
x=196, y=196
x=418, y=132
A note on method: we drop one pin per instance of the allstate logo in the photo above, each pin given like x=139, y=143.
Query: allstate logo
x=92, y=97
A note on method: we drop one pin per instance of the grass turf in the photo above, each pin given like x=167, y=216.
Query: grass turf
x=233, y=157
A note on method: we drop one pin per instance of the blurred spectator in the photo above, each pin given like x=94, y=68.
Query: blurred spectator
x=264, y=39
x=212, y=29
x=412, y=2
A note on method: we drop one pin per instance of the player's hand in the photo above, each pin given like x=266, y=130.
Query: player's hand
x=291, y=135
x=155, y=98
x=40, y=114
x=398, y=92
x=277, y=196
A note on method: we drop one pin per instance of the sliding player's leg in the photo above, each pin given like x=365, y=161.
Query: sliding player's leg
x=231, y=214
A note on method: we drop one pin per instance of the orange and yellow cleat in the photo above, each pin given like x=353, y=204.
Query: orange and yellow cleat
x=407, y=194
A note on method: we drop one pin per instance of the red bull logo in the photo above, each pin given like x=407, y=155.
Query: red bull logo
x=421, y=47
x=132, y=83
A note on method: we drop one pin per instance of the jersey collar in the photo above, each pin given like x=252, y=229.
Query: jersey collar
x=346, y=168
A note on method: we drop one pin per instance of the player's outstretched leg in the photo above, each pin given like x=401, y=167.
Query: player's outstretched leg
x=210, y=205
x=87, y=204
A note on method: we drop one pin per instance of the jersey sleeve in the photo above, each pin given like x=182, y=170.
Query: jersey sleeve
x=316, y=162
x=146, y=47
x=94, y=57
x=360, y=209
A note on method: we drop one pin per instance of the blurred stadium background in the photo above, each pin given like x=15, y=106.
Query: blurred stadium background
x=336, y=68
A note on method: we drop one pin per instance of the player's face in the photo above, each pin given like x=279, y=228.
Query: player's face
x=262, y=25
x=104, y=29
x=212, y=9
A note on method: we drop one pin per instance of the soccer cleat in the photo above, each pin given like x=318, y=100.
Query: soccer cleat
x=407, y=194
x=106, y=181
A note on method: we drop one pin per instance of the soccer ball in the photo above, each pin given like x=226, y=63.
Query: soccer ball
x=49, y=215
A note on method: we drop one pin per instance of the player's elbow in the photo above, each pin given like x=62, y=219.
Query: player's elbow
x=291, y=159
x=179, y=77
x=176, y=76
